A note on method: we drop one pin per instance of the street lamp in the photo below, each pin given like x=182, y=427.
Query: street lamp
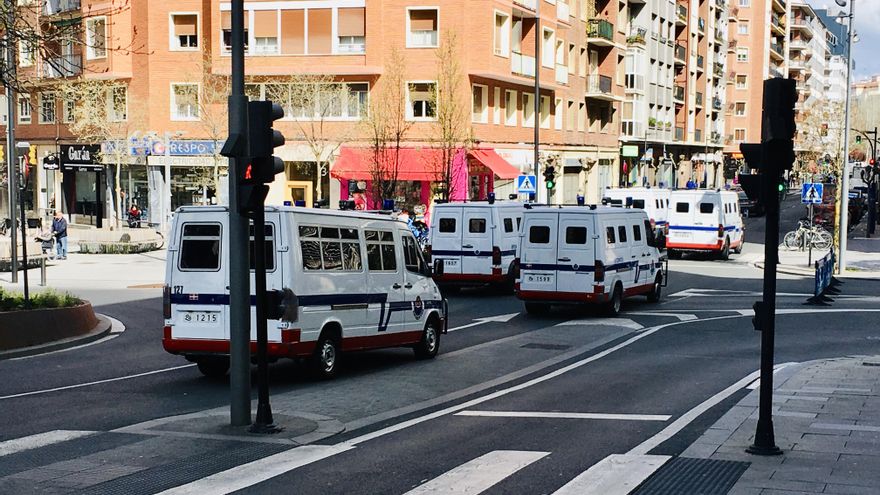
x=843, y=221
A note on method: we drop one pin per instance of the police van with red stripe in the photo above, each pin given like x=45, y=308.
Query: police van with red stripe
x=704, y=221
x=587, y=254
x=353, y=281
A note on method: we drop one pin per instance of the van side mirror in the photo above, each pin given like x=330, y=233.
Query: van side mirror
x=438, y=267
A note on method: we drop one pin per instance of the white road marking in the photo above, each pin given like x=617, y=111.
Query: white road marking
x=40, y=440
x=616, y=474
x=757, y=383
x=680, y=316
x=108, y=380
x=480, y=474
x=116, y=329
x=746, y=293
x=249, y=474
x=488, y=319
x=608, y=322
x=562, y=415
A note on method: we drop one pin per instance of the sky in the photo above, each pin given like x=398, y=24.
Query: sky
x=867, y=23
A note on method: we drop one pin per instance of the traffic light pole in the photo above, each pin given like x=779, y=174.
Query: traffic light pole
x=10, y=143
x=239, y=276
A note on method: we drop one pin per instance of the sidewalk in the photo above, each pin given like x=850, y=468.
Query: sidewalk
x=862, y=261
x=826, y=418
x=97, y=271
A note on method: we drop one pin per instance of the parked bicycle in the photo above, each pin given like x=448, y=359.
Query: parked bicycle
x=806, y=236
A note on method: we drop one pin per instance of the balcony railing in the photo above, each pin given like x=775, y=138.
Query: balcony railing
x=680, y=52
x=731, y=45
x=598, y=84
x=715, y=138
x=776, y=47
x=798, y=44
x=637, y=36
x=63, y=66
x=678, y=93
x=52, y=7
x=682, y=12
x=600, y=28
x=720, y=3
x=523, y=65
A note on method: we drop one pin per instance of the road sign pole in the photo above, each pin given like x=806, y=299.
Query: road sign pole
x=810, y=255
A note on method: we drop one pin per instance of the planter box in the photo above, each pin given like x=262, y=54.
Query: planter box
x=38, y=326
x=92, y=247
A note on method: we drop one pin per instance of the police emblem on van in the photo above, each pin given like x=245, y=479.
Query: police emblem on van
x=418, y=308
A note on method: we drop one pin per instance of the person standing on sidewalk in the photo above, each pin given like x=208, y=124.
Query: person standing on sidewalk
x=59, y=230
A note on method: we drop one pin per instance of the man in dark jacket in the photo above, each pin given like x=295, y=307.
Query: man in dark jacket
x=59, y=230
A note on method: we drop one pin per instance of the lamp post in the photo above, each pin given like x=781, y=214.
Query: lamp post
x=843, y=221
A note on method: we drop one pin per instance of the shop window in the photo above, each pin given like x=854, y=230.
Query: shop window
x=422, y=28
x=200, y=248
x=184, y=31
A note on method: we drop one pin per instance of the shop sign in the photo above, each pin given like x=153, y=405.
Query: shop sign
x=50, y=162
x=629, y=150
x=192, y=148
x=81, y=157
x=184, y=161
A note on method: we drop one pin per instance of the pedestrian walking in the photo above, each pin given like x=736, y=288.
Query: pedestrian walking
x=59, y=230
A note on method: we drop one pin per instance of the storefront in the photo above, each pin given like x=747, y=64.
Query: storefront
x=83, y=183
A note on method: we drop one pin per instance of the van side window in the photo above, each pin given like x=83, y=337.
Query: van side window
x=656, y=203
x=380, y=250
x=621, y=233
x=447, y=225
x=322, y=248
x=609, y=232
x=477, y=225
x=682, y=207
x=508, y=225
x=539, y=234
x=575, y=235
x=649, y=233
x=411, y=257
x=200, y=247
x=707, y=207
x=637, y=233
x=518, y=222
x=269, y=232
x=639, y=203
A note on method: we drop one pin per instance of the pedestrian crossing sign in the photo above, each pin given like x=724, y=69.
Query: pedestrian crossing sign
x=811, y=193
x=526, y=184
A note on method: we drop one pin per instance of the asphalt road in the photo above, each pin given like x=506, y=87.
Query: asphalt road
x=526, y=364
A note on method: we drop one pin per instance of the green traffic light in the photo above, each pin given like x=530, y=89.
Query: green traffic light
x=550, y=184
x=781, y=187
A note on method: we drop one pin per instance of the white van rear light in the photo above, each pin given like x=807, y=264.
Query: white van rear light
x=496, y=255
x=600, y=271
x=290, y=335
x=720, y=230
x=166, y=302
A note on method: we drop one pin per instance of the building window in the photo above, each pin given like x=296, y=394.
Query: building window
x=184, y=101
x=265, y=32
x=742, y=54
x=742, y=28
x=117, y=104
x=422, y=27
x=350, y=30
x=528, y=102
x=69, y=109
x=47, y=108
x=332, y=101
x=184, y=31
x=739, y=135
x=510, y=107
x=496, y=106
x=96, y=37
x=742, y=81
x=480, y=104
x=545, y=112
x=27, y=53
x=226, y=29
x=548, y=48
x=581, y=116
x=24, y=109
x=420, y=104
x=557, y=114
x=571, y=117
x=502, y=34
x=744, y=3
x=740, y=109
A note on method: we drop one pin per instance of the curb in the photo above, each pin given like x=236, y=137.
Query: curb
x=101, y=330
x=784, y=269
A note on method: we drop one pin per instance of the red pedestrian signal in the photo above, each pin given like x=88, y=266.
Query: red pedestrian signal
x=249, y=172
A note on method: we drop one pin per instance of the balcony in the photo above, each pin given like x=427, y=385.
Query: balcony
x=563, y=11
x=599, y=88
x=731, y=46
x=636, y=36
x=798, y=44
x=64, y=66
x=716, y=104
x=523, y=65
x=678, y=94
x=719, y=36
x=679, y=133
x=777, y=24
x=529, y=4
x=797, y=64
x=55, y=7
x=700, y=63
x=777, y=50
x=681, y=15
x=699, y=100
x=718, y=69
x=680, y=54
x=562, y=74
x=600, y=32
x=715, y=138
x=734, y=13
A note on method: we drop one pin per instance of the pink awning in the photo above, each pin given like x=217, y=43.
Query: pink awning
x=498, y=165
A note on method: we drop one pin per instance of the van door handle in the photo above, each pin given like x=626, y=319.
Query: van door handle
x=407, y=286
x=396, y=286
x=564, y=259
x=468, y=246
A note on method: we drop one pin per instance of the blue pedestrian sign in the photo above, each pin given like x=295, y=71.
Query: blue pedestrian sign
x=811, y=194
x=526, y=184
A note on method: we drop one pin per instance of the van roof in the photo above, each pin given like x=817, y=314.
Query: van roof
x=298, y=210
x=598, y=210
x=481, y=204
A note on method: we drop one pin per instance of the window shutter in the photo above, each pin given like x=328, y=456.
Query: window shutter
x=351, y=22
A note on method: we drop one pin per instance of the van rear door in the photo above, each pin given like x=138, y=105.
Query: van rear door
x=446, y=238
x=575, y=254
x=708, y=215
x=681, y=220
x=538, y=252
x=476, y=242
x=199, y=280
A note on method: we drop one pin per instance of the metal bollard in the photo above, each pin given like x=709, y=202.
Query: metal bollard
x=43, y=271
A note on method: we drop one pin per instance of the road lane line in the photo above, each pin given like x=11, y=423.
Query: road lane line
x=40, y=440
x=562, y=415
x=608, y=322
x=98, y=382
x=480, y=474
x=680, y=316
x=617, y=474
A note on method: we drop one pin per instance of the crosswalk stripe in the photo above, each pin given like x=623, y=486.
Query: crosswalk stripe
x=680, y=316
x=40, y=440
x=616, y=474
x=479, y=474
x=608, y=322
x=563, y=415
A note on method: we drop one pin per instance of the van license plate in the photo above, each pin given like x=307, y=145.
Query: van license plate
x=535, y=278
x=450, y=263
x=201, y=317
x=683, y=235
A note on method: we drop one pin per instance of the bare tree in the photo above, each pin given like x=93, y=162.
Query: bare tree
x=450, y=131
x=820, y=134
x=213, y=117
x=387, y=127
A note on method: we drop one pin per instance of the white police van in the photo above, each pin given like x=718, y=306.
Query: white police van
x=476, y=242
x=655, y=202
x=358, y=282
x=577, y=254
x=704, y=221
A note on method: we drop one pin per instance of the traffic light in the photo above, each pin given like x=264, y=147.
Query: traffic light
x=262, y=141
x=550, y=176
x=858, y=139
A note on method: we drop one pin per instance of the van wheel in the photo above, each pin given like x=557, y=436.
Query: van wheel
x=725, y=251
x=654, y=295
x=429, y=346
x=213, y=367
x=616, y=302
x=739, y=247
x=537, y=308
x=325, y=361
